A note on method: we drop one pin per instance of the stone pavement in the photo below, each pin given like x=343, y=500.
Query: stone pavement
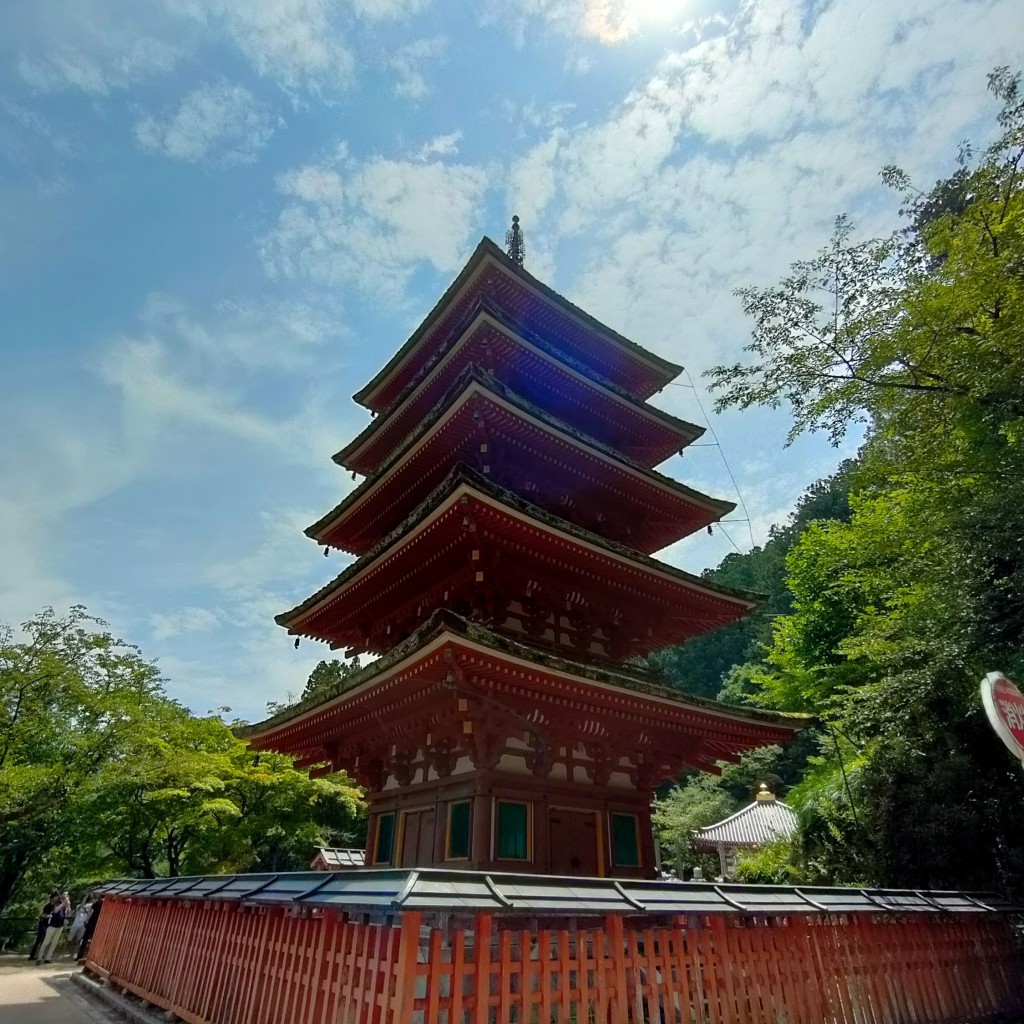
x=44, y=995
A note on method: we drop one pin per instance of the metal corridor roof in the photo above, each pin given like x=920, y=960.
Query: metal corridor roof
x=440, y=891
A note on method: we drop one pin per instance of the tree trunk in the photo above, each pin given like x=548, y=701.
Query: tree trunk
x=12, y=870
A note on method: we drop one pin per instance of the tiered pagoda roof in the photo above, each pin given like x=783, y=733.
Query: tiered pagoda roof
x=491, y=280
x=534, y=369
x=485, y=424
x=420, y=694
x=471, y=531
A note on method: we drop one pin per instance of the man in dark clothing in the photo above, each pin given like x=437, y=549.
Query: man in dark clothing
x=43, y=923
x=55, y=929
x=90, y=927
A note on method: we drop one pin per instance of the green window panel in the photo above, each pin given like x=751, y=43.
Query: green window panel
x=625, y=847
x=385, y=846
x=458, y=830
x=513, y=831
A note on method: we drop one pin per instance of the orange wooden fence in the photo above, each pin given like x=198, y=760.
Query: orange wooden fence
x=231, y=963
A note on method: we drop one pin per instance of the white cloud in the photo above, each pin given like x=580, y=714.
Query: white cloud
x=408, y=64
x=440, y=146
x=372, y=224
x=605, y=21
x=156, y=393
x=190, y=374
x=799, y=110
x=29, y=581
x=283, y=335
x=313, y=184
x=219, y=122
x=284, y=552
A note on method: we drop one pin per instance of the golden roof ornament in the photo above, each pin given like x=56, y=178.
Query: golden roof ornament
x=764, y=794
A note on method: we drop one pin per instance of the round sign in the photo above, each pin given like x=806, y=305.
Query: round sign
x=1004, y=705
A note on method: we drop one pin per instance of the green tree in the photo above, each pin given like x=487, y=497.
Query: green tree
x=698, y=803
x=897, y=612
x=702, y=666
x=70, y=697
x=102, y=774
x=190, y=798
x=328, y=678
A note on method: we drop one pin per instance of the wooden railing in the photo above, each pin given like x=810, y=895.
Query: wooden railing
x=229, y=962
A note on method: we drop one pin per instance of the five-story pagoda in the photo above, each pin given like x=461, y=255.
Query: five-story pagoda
x=503, y=575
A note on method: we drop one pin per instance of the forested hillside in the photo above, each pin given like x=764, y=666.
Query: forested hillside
x=891, y=606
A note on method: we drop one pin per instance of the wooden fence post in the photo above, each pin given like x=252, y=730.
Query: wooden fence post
x=405, y=962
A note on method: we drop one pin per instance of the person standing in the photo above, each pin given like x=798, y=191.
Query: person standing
x=90, y=926
x=43, y=923
x=54, y=929
x=78, y=925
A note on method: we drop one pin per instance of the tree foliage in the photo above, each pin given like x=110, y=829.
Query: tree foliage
x=925, y=322
x=102, y=774
x=70, y=698
x=899, y=610
x=703, y=666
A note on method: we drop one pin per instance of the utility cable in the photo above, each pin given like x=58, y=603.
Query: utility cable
x=721, y=451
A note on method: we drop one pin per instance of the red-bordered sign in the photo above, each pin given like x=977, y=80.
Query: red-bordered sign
x=1004, y=705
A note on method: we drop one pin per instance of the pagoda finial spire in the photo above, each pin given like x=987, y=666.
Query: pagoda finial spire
x=514, y=244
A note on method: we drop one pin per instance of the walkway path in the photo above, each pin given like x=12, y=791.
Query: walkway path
x=43, y=995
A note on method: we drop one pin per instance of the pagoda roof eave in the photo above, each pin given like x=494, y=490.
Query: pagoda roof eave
x=445, y=626
x=691, y=431
x=488, y=248
x=464, y=477
x=473, y=376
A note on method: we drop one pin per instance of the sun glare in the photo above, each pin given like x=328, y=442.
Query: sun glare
x=612, y=21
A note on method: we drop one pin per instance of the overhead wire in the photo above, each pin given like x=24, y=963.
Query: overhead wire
x=716, y=443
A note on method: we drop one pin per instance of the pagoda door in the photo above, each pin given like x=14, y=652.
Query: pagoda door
x=572, y=840
x=418, y=838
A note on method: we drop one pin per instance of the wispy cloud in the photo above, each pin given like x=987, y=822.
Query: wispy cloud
x=372, y=224
x=408, y=65
x=604, y=21
x=216, y=122
x=99, y=46
x=388, y=10
x=96, y=46
x=298, y=43
x=184, y=622
x=440, y=146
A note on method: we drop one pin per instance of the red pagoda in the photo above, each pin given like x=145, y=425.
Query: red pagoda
x=502, y=535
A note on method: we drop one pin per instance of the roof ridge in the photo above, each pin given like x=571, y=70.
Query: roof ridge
x=488, y=247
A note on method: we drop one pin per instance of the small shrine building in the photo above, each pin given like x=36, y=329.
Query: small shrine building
x=765, y=821
x=504, y=580
x=333, y=858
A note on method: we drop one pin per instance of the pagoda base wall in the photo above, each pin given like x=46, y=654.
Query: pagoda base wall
x=512, y=821
x=229, y=962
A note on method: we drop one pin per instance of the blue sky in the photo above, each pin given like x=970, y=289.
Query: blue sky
x=219, y=217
